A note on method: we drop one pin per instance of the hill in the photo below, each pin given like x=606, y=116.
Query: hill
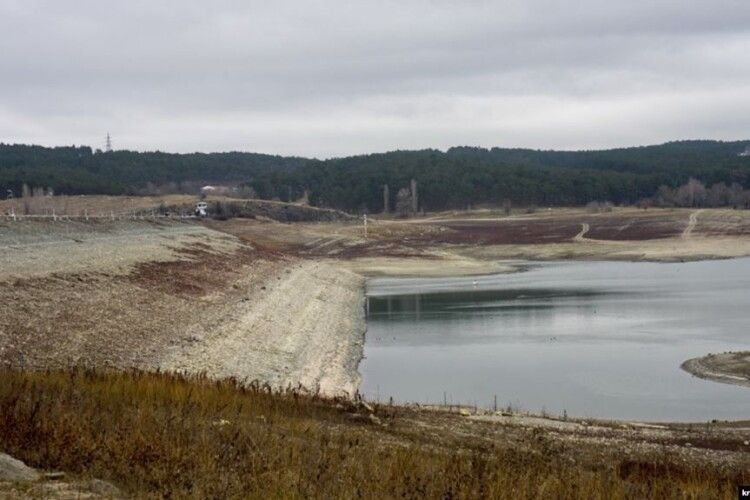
x=454, y=179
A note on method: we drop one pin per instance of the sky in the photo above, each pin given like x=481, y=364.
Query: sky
x=325, y=78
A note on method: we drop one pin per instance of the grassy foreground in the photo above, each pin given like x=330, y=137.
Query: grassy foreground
x=157, y=435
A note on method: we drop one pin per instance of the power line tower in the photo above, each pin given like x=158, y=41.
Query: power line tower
x=108, y=144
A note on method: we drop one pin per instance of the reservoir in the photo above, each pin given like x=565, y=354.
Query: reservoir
x=591, y=339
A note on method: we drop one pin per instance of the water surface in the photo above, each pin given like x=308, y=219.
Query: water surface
x=601, y=339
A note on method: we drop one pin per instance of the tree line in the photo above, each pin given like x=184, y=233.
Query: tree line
x=458, y=178
x=695, y=194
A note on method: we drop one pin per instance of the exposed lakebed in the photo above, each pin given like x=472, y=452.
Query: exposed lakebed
x=594, y=339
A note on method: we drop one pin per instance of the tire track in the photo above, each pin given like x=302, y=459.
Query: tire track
x=688, y=232
x=581, y=236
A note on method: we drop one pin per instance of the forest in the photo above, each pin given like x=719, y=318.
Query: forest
x=458, y=178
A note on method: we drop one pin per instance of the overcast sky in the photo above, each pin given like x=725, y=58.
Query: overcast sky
x=334, y=77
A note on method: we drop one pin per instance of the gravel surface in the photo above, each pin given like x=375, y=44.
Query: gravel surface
x=177, y=296
x=37, y=248
x=305, y=328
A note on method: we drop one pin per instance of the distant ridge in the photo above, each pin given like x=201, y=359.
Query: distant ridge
x=456, y=178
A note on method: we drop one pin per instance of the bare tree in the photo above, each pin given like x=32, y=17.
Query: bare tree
x=599, y=206
x=414, y=197
x=665, y=197
x=247, y=192
x=403, y=202
x=718, y=195
x=736, y=195
x=507, y=206
x=692, y=194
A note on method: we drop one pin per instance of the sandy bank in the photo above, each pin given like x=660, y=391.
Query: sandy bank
x=440, y=266
x=662, y=250
x=727, y=367
x=306, y=328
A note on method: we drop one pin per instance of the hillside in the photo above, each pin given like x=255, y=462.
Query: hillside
x=454, y=179
x=80, y=170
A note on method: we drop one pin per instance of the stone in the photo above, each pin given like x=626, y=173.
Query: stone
x=15, y=470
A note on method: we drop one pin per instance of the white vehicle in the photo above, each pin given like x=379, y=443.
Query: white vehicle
x=201, y=209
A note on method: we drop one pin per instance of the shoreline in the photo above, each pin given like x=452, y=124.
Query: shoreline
x=253, y=305
x=728, y=368
x=691, y=366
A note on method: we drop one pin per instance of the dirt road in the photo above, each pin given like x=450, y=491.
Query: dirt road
x=581, y=236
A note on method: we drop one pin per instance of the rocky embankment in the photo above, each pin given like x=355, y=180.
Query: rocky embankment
x=303, y=329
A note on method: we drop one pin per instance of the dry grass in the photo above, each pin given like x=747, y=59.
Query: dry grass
x=162, y=435
x=93, y=205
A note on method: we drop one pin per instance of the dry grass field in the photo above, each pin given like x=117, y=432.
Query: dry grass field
x=155, y=435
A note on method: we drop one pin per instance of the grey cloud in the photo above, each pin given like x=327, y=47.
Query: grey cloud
x=329, y=78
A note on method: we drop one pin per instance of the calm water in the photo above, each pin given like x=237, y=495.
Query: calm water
x=595, y=339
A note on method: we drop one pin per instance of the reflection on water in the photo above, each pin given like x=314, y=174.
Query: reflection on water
x=441, y=304
x=594, y=339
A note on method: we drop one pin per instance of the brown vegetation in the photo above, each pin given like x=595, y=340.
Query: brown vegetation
x=168, y=436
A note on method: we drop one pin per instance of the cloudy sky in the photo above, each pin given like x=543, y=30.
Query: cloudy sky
x=336, y=77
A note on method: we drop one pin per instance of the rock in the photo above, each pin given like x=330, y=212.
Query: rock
x=375, y=420
x=15, y=470
x=103, y=488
